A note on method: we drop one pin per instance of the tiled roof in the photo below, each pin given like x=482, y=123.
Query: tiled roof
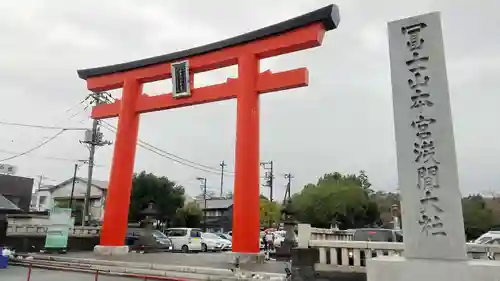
x=46, y=187
x=215, y=203
x=97, y=183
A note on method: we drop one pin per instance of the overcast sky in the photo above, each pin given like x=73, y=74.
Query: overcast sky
x=342, y=122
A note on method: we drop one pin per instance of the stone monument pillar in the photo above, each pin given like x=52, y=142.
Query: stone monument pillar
x=433, y=228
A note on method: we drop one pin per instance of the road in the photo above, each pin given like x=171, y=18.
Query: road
x=212, y=260
x=15, y=273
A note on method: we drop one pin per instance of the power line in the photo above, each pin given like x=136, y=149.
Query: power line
x=62, y=130
x=41, y=127
x=48, y=157
x=144, y=146
x=76, y=105
x=171, y=156
x=35, y=147
x=39, y=156
x=49, y=127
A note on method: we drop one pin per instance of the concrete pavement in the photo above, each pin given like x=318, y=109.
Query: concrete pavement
x=15, y=273
x=211, y=260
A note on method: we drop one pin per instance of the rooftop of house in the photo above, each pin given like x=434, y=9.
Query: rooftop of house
x=46, y=187
x=7, y=205
x=215, y=203
x=97, y=183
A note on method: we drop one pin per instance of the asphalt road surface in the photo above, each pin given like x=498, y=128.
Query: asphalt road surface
x=17, y=273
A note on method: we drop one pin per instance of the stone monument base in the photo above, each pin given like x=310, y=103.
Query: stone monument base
x=402, y=269
x=111, y=250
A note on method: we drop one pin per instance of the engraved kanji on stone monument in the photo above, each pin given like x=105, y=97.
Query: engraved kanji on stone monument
x=427, y=168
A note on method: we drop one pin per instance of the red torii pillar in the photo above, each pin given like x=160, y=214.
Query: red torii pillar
x=246, y=50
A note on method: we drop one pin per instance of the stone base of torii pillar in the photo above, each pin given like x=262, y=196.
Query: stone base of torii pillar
x=401, y=269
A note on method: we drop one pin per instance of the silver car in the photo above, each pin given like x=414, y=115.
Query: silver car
x=212, y=242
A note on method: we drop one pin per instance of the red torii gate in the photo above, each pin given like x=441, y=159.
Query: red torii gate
x=245, y=50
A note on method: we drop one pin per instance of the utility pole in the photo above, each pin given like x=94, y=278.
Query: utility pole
x=269, y=177
x=40, y=180
x=93, y=139
x=73, y=188
x=73, y=185
x=288, y=176
x=204, y=186
x=222, y=166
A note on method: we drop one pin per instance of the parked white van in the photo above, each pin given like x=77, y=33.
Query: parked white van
x=185, y=239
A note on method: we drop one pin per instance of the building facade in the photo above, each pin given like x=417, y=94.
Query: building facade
x=59, y=195
x=219, y=214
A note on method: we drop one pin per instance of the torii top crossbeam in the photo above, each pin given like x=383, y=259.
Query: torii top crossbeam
x=245, y=50
x=303, y=32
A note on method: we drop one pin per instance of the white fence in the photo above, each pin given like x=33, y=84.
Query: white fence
x=350, y=256
x=41, y=230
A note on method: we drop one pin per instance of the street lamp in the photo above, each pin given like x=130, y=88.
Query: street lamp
x=204, y=186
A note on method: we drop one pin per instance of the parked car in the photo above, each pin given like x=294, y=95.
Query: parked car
x=225, y=236
x=213, y=242
x=136, y=240
x=279, y=238
x=487, y=238
x=185, y=239
x=372, y=235
x=377, y=235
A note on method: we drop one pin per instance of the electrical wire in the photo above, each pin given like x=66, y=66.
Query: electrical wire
x=171, y=156
x=41, y=127
x=35, y=147
x=41, y=157
x=52, y=158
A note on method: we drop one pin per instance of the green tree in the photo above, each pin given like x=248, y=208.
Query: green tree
x=385, y=201
x=336, y=198
x=478, y=219
x=269, y=212
x=188, y=216
x=166, y=195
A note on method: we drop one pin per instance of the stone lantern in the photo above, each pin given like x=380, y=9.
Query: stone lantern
x=150, y=215
x=146, y=241
x=284, y=252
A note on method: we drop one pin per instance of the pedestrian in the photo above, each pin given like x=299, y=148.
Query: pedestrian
x=269, y=240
